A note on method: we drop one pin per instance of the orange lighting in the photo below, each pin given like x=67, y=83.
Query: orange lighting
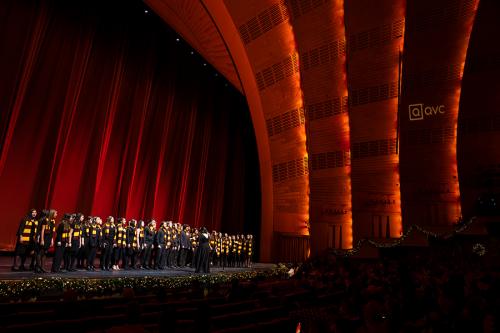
x=344, y=119
x=397, y=227
x=299, y=104
x=455, y=109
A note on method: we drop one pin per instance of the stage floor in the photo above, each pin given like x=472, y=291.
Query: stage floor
x=7, y=274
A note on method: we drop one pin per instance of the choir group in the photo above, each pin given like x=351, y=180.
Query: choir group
x=124, y=245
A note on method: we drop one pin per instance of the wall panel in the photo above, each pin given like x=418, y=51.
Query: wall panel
x=319, y=31
x=437, y=37
x=375, y=33
x=478, y=154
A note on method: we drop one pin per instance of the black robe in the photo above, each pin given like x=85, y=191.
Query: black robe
x=202, y=256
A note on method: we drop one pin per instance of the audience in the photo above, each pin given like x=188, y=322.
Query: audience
x=442, y=288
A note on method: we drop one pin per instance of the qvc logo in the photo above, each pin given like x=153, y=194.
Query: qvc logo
x=419, y=111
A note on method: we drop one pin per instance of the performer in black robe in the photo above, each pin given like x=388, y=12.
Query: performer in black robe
x=81, y=254
x=202, y=258
x=185, y=245
x=174, y=248
x=37, y=246
x=25, y=238
x=47, y=229
x=108, y=238
x=132, y=244
x=161, y=246
x=149, y=241
x=62, y=242
x=120, y=241
x=141, y=250
x=94, y=242
x=76, y=241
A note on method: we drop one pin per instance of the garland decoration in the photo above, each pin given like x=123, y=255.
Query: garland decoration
x=461, y=227
x=479, y=249
x=92, y=287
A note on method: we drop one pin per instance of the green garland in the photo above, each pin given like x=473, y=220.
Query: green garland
x=399, y=241
x=85, y=287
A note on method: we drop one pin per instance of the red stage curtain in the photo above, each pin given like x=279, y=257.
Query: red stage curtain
x=102, y=112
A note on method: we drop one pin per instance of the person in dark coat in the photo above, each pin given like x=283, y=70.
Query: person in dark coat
x=47, y=229
x=202, y=256
x=108, y=238
x=175, y=245
x=161, y=243
x=94, y=242
x=120, y=244
x=81, y=255
x=132, y=244
x=140, y=253
x=37, y=247
x=67, y=245
x=149, y=240
x=195, y=234
x=185, y=245
x=25, y=238
x=76, y=241
x=62, y=242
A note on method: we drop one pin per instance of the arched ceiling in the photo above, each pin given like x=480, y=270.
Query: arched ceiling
x=191, y=20
x=340, y=156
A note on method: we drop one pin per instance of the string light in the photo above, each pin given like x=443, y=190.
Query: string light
x=84, y=287
x=399, y=241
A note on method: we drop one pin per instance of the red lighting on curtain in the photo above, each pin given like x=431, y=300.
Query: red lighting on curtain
x=100, y=113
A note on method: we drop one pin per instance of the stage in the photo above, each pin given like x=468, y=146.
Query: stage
x=7, y=274
x=28, y=285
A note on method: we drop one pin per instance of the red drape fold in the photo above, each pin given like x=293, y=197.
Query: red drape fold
x=100, y=114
